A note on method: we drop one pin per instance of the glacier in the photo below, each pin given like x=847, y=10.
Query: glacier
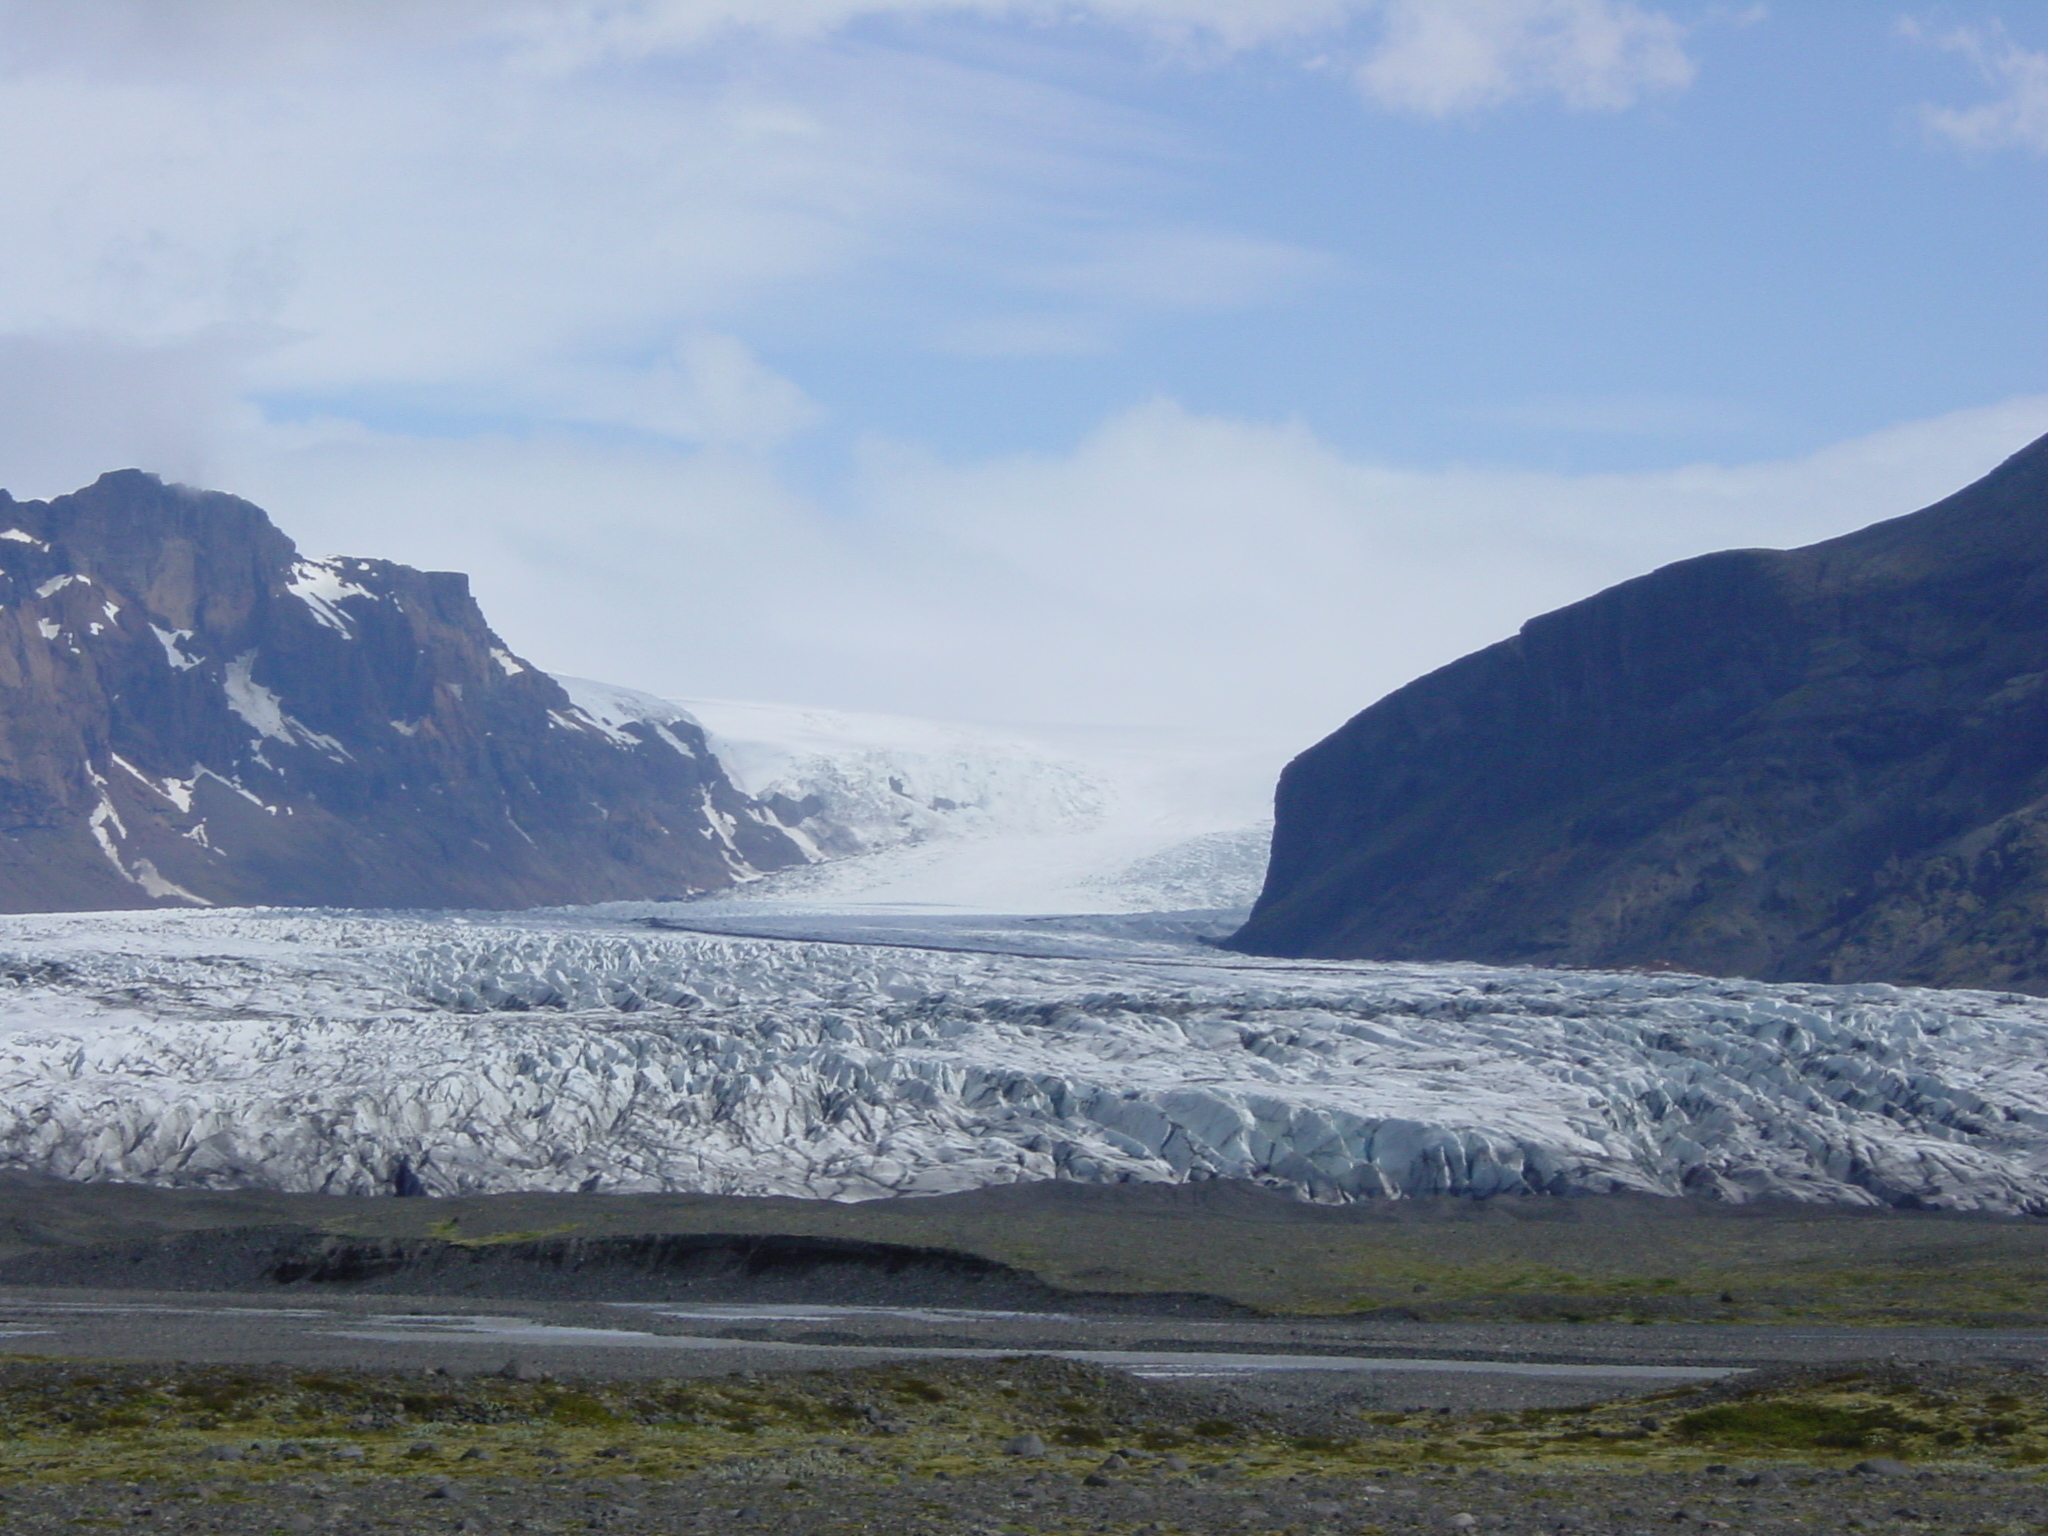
x=906, y=813
x=756, y=1049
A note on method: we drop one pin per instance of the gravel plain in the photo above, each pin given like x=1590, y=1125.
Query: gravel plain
x=1798, y=1500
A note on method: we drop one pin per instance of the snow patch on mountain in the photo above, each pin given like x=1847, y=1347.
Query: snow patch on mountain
x=611, y=707
x=323, y=586
x=585, y=1050
x=264, y=712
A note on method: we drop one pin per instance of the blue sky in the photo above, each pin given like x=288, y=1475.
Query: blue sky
x=1151, y=363
x=1780, y=255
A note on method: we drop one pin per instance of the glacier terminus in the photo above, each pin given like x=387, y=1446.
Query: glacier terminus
x=770, y=1050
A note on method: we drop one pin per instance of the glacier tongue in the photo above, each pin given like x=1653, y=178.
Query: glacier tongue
x=582, y=1049
x=912, y=813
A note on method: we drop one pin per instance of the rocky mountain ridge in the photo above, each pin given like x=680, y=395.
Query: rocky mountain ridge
x=191, y=713
x=1827, y=763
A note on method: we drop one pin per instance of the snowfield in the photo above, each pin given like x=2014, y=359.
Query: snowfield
x=807, y=1053
x=904, y=813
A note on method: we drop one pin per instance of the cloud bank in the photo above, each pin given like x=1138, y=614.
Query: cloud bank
x=1427, y=56
x=1174, y=572
x=512, y=285
x=1443, y=57
x=586, y=213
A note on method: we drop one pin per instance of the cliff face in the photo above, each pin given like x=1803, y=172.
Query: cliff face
x=191, y=713
x=1828, y=763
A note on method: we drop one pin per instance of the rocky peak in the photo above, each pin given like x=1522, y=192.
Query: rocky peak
x=193, y=712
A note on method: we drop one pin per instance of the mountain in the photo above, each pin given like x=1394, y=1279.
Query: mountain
x=191, y=713
x=1827, y=763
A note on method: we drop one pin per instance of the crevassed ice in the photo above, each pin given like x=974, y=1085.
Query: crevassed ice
x=309, y=1051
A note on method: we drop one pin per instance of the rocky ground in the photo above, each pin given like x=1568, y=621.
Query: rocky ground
x=1026, y=1445
x=1806, y=1501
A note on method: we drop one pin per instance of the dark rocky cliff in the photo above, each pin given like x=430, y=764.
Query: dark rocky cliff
x=1826, y=763
x=190, y=712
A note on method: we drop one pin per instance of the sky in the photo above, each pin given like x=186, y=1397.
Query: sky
x=1206, y=366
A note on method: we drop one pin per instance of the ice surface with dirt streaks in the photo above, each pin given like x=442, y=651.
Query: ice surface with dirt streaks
x=808, y=1054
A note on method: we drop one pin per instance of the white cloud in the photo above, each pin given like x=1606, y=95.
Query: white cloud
x=573, y=34
x=476, y=208
x=447, y=233
x=73, y=405
x=1172, y=571
x=708, y=389
x=526, y=211
x=2017, y=118
x=1436, y=57
x=1442, y=57
x=731, y=401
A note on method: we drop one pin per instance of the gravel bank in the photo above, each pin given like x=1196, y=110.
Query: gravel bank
x=1782, y=1499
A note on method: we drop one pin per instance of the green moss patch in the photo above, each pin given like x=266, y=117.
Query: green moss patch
x=143, y=1423
x=1795, y=1425
x=1978, y=1416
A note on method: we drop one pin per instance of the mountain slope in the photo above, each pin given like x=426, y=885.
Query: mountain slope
x=191, y=713
x=1827, y=763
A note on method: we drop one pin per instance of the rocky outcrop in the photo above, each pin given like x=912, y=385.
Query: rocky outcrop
x=688, y=1266
x=190, y=713
x=1827, y=763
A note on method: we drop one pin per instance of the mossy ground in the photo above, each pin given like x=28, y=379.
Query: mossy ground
x=1954, y=1417
x=144, y=1423
x=152, y=1424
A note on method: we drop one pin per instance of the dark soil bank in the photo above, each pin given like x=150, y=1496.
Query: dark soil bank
x=753, y=1267
x=1141, y=1247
